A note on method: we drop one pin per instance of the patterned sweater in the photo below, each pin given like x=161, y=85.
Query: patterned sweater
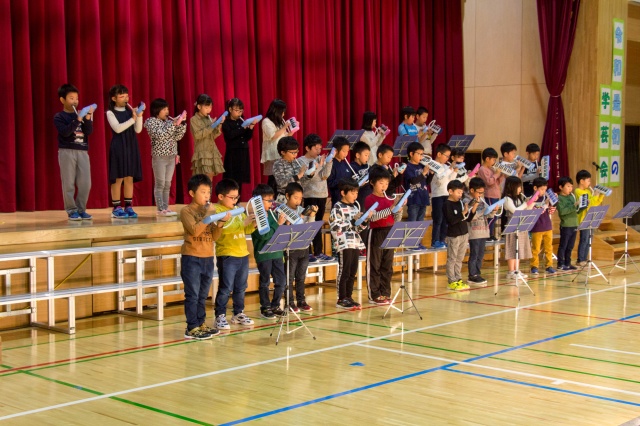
x=343, y=229
x=286, y=172
x=164, y=136
x=316, y=186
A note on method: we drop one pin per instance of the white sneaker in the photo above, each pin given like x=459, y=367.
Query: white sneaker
x=241, y=319
x=521, y=275
x=162, y=213
x=221, y=322
x=511, y=275
x=171, y=213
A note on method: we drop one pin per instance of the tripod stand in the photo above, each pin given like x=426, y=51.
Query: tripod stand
x=288, y=238
x=592, y=221
x=521, y=221
x=626, y=213
x=404, y=235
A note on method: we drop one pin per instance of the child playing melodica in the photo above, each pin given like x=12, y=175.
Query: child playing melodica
x=197, y=256
x=439, y=195
x=360, y=155
x=567, y=210
x=583, y=182
x=164, y=135
x=542, y=233
x=493, y=180
x=298, y=260
x=379, y=260
x=415, y=178
x=457, y=158
x=237, y=165
x=269, y=264
x=515, y=200
x=533, y=155
x=73, y=153
x=371, y=136
x=347, y=240
x=287, y=168
x=478, y=229
x=457, y=215
x=206, y=157
x=315, y=189
x=426, y=136
x=124, y=152
x=232, y=257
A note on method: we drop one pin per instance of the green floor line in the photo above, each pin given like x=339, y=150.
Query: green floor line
x=115, y=398
x=6, y=366
x=186, y=342
x=92, y=335
x=502, y=359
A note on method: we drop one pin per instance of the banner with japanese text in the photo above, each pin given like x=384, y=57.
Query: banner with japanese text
x=604, y=135
x=615, y=120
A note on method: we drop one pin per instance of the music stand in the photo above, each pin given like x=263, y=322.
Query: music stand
x=401, y=143
x=461, y=142
x=592, y=221
x=404, y=235
x=287, y=238
x=521, y=221
x=626, y=213
x=352, y=136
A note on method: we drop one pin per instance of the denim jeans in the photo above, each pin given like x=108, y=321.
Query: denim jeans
x=437, y=214
x=163, y=168
x=233, y=273
x=271, y=268
x=197, y=274
x=567, y=241
x=415, y=213
x=583, y=245
x=476, y=255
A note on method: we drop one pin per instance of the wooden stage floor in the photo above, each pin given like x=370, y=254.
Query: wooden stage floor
x=565, y=355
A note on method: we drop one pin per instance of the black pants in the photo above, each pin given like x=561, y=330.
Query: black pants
x=297, y=263
x=476, y=255
x=347, y=270
x=567, y=241
x=379, y=264
x=317, y=240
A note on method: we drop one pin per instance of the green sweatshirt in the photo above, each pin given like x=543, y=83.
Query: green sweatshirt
x=567, y=211
x=259, y=241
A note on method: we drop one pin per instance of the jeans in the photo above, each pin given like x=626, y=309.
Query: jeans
x=583, y=245
x=437, y=214
x=297, y=263
x=197, y=274
x=476, y=255
x=75, y=171
x=271, y=268
x=416, y=213
x=233, y=273
x=163, y=168
x=567, y=241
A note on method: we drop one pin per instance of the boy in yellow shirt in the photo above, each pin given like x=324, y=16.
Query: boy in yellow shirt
x=232, y=256
x=583, y=182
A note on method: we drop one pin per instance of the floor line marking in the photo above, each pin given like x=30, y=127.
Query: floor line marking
x=605, y=349
x=316, y=351
x=504, y=370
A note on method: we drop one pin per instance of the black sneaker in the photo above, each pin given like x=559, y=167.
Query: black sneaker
x=197, y=334
x=277, y=311
x=304, y=306
x=267, y=313
x=354, y=304
x=344, y=304
x=293, y=307
x=482, y=279
x=476, y=279
x=212, y=331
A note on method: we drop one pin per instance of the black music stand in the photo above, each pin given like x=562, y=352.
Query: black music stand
x=592, y=221
x=404, y=235
x=521, y=221
x=401, y=144
x=626, y=213
x=352, y=136
x=287, y=238
x=461, y=142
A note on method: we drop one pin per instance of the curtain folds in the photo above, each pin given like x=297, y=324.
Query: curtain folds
x=329, y=61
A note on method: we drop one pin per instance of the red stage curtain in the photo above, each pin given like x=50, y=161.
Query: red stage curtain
x=557, y=22
x=329, y=61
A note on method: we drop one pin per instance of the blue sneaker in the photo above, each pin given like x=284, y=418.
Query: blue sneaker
x=74, y=216
x=86, y=216
x=550, y=270
x=119, y=213
x=419, y=247
x=312, y=259
x=436, y=245
x=439, y=245
x=534, y=271
x=130, y=213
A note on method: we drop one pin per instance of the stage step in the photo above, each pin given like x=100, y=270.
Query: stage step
x=619, y=247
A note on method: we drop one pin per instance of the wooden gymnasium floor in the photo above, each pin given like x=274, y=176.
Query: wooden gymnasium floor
x=566, y=355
